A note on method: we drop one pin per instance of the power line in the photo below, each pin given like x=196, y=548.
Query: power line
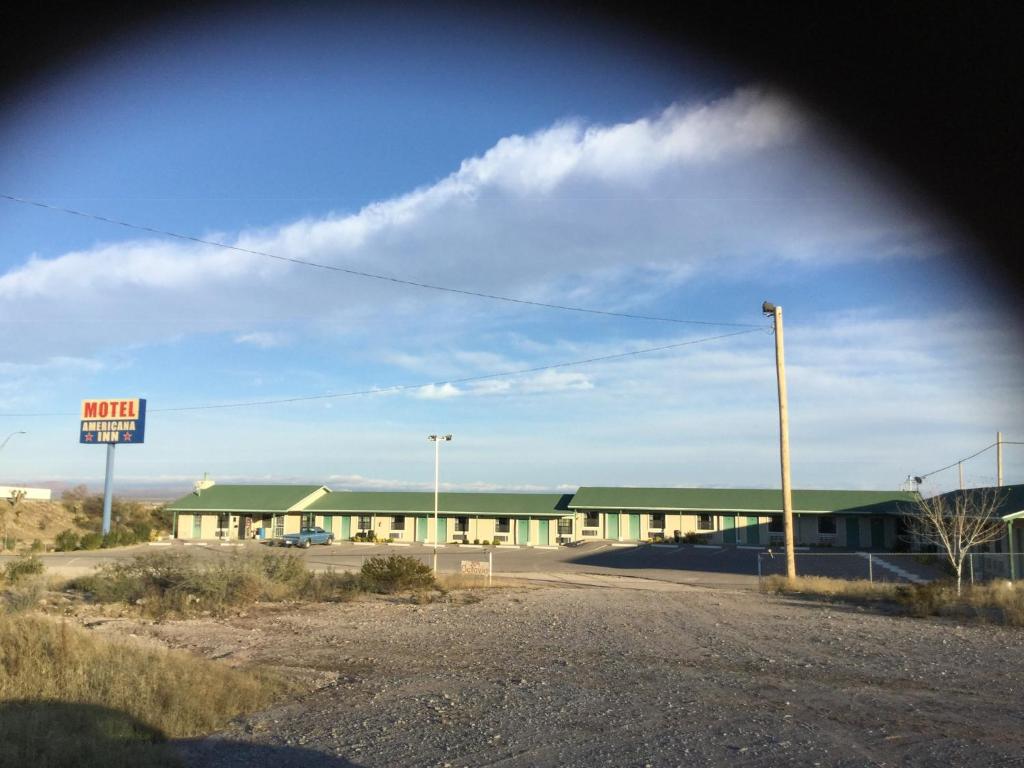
x=405, y=387
x=968, y=458
x=370, y=275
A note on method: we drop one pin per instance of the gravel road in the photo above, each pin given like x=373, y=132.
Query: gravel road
x=616, y=671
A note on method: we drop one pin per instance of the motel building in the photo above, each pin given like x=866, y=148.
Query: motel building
x=741, y=517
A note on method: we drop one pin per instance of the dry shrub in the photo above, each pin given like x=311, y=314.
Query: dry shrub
x=171, y=583
x=24, y=595
x=23, y=567
x=396, y=573
x=66, y=683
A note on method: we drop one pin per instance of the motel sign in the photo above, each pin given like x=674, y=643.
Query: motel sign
x=113, y=421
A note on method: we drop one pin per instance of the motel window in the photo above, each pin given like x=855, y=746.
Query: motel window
x=565, y=526
x=658, y=520
x=775, y=524
x=365, y=523
x=826, y=524
x=308, y=520
x=502, y=525
x=705, y=523
x=398, y=523
x=592, y=520
x=462, y=524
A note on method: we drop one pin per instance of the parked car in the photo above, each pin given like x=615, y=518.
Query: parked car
x=306, y=537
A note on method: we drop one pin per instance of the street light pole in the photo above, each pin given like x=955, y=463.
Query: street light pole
x=17, y=432
x=787, y=493
x=437, y=483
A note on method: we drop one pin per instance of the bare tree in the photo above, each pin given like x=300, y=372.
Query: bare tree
x=957, y=522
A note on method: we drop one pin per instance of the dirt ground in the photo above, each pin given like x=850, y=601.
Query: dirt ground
x=614, y=671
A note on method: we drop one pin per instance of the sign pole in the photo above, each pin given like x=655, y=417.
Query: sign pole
x=108, y=488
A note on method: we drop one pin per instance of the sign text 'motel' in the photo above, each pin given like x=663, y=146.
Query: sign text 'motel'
x=115, y=420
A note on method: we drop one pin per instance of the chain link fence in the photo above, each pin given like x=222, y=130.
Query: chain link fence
x=893, y=567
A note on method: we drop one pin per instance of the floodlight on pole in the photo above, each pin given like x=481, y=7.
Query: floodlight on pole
x=437, y=440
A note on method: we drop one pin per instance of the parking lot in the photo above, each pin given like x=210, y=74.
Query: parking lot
x=735, y=567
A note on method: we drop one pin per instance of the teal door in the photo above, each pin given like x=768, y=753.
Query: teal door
x=853, y=532
x=634, y=527
x=877, y=532
x=729, y=529
x=543, y=533
x=346, y=527
x=442, y=530
x=421, y=529
x=612, y=519
x=329, y=523
x=197, y=526
x=753, y=531
x=522, y=531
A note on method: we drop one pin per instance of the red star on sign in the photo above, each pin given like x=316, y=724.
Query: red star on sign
x=126, y=437
x=88, y=437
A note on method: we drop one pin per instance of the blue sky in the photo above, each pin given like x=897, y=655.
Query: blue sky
x=492, y=154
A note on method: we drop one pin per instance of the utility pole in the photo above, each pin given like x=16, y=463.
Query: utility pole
x=960, y=467
x=999, y=459
x=787, y=493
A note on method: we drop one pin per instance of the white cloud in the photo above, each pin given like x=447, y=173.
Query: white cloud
x=434, y=392
x=342, y=483
x=262, y=339
x=606, y=214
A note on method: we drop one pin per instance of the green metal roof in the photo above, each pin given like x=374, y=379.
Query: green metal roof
x=415, y=502
x=739, y=500
x=244, y=498
x=1010, y=497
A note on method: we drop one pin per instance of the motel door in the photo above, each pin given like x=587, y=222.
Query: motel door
x=421, y=529
x=245, y=527
x=853, y=532
x=329, y=523
x=634, y=527
x=877, y=532
x=197, y=526
x=442, y=530
x=729, y=529
x=753, y=531
x=543, y=532
x=346, y=527
x=522, y=531
x=612, y=520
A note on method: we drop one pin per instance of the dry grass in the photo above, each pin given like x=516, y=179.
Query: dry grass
x=71, y=698
x=1000, y=602
x=857, y=589
x=455, y=581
